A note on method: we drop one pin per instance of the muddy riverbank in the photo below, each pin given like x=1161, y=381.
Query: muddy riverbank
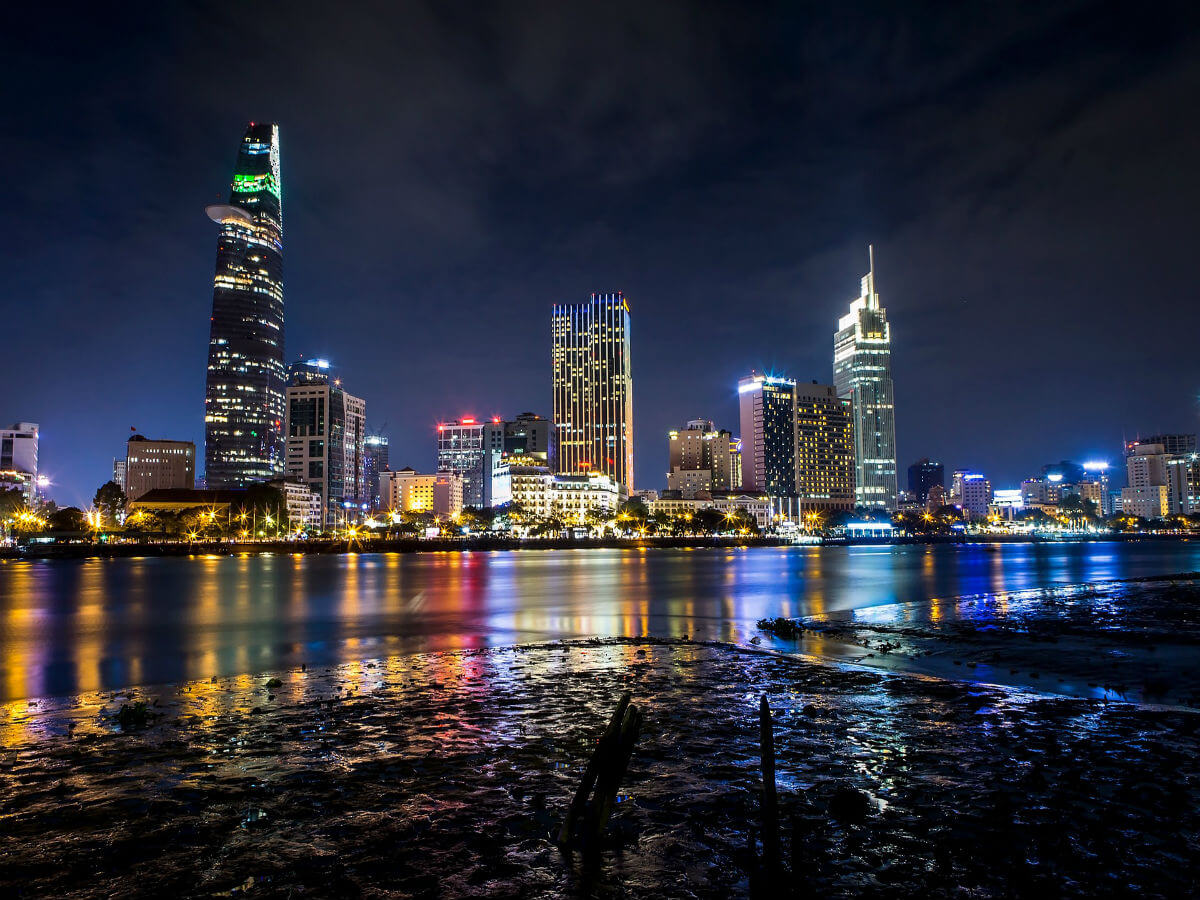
x=446, y=774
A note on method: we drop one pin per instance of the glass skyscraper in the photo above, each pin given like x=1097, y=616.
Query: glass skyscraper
x=593, y=387
x=862, y=374
x=244, y=394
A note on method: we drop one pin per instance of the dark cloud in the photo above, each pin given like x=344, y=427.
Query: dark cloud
x=1026, y=171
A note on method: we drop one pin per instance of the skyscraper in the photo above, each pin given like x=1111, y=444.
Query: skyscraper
x=767, y=407
x=862, y=373
x=325, y=434
x=824, y=449
x=244, y=394
x=593, y=387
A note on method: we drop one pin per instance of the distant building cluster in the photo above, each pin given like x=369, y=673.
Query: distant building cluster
x=805, y=452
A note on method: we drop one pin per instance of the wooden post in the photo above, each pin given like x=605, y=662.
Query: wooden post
x=770, y=801
x=601, y=752
x=612, y=770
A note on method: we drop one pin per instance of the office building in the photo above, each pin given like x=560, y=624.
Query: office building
x=862, y=372
x=475, y=450
x=593, y=388
x=1146, y=494
x=922, y=475
x=702, y=457
x=19, y=459
x=767, y=412
x=157, y=464
x=530, y=437
x=325, y=441
x=119, y=469
x=972, y=493
x=824, y=449
x=375, y=460
x=407, y=491
x=244, y=392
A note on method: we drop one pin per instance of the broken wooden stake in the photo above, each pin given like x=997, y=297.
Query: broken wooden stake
x=586, y=820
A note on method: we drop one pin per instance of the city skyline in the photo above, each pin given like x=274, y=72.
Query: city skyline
x=1045, y=256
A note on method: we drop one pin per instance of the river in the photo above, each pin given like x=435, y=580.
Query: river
x=75, y=626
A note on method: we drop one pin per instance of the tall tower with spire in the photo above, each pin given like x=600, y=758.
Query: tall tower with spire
x=862, y=374
x=244, y=390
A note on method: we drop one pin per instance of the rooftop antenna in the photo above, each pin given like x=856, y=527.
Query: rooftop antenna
x=871, y=300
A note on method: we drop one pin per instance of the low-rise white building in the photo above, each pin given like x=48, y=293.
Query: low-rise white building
x=757, y=506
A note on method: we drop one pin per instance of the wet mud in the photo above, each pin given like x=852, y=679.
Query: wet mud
x=447, y=775
x=1135, y=641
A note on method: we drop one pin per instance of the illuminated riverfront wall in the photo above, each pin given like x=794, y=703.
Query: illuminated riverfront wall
x=593, y=387
x=244, y=392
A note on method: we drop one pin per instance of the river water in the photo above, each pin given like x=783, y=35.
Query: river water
x=75, y=626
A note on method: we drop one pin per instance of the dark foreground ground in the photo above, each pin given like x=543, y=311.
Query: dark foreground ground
x=447, y=774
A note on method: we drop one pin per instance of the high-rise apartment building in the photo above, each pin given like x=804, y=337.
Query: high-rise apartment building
x=862, y=372
x=475, y=450
x=593, y=387
x=824, y=448
x=702, y=457
x=158, y=464
x=244, y=393
x=767, y=413
x=325, y=441
x=375, y=460
x=922, y=475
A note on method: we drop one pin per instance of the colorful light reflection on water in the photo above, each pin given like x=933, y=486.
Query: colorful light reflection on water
x=69, y=627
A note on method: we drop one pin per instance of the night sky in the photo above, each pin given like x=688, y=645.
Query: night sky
x=1027, y=172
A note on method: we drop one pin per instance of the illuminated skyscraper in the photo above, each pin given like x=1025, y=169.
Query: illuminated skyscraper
x=593, y=387
x=767, y=410
x=244, y=396
x=824, y=449
x=862, y=373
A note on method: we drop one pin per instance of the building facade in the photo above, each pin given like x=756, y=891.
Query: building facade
x=862, y=373
x=303, y=504
x=593, y=388
x=702, y=457
x=824, y=449
x=406, y=490
x=244, y=390
x=972, y=493
x=158, y=464
x=325, y=441
x=922, y=475
x=531, y=438
x=19, y=459
x=375, y=460
x=767, y=413
x=475, y=450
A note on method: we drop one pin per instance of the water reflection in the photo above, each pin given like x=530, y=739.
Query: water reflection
x=78, y=626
